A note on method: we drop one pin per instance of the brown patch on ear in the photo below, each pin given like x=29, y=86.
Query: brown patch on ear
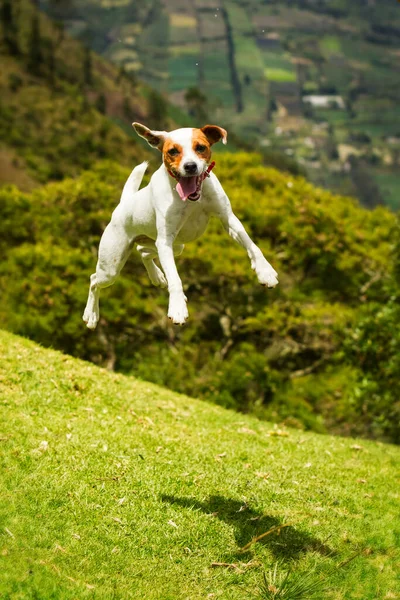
x=153, y=138
x=172, y=162
x=214, y=134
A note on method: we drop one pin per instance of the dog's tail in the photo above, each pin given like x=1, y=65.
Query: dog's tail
x=133, y=182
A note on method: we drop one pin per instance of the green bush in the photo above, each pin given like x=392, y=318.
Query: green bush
x=287, y=354
x=373, y=346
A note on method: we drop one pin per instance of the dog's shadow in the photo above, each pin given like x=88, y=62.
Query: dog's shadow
x=285, y=543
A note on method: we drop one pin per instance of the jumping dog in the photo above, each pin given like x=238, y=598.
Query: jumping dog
x=172, y=210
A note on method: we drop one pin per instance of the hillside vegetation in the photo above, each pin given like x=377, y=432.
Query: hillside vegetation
x=62, y=107
x=114, y=488
x=307, y=353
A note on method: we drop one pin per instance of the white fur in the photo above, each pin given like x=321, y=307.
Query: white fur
x=160, y=223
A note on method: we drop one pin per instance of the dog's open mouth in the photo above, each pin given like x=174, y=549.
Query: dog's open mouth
x=189, y=188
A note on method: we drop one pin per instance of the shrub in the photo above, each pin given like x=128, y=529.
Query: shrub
x=280, y=353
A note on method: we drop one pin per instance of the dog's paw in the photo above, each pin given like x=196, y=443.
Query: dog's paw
x=91, y=318
x=177, y=310
x=157, y=277
x=269, y=281
x=267, y=275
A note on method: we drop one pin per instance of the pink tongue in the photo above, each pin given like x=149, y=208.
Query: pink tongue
x=186, y=186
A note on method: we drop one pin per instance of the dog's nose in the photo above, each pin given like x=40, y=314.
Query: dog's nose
x=190, y=168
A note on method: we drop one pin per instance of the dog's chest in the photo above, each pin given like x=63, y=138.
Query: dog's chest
x=193, y=224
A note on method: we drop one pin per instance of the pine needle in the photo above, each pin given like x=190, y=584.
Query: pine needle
x=276, y=529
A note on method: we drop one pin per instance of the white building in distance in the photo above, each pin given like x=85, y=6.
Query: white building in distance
x=325, y=101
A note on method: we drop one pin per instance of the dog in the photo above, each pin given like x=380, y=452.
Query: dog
x=173, y=209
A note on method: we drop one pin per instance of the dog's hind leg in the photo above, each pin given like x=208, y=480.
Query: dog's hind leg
x=148, y=253
x=115, y=247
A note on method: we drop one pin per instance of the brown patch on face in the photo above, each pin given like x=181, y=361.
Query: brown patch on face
x=172, y=155
x=201, y=145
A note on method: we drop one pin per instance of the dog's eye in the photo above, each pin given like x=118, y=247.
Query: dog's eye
x=200, y=148
x=173, y=152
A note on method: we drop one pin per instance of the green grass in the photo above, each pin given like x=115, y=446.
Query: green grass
x=330, y=45
x=153, y=50
x=334, y=116
x=276, y=60
x=360, y=50
x=248, y=57
x=338, y=76
x=217, y=77
x=116, y=488
x=183, y=71
x=239, y=18
x=374, y=130
x=278, y=67
x=216, y=64
x=280, y=75
x=250, y=67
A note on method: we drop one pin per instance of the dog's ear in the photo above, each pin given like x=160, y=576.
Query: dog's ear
x=214, y=134
x=153, y=138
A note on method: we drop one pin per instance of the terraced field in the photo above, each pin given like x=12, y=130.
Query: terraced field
x=255, y=62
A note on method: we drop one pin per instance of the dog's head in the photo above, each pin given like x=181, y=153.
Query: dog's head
x=186, y=152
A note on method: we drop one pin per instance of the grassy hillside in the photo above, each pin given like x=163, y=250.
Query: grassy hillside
x=255, y=64
x=116, y=488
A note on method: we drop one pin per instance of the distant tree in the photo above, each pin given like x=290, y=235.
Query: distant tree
x=196, y=103
x=85, y=106
x=87, y=67
x=9, y=26
x=359, y=137
x=132, y=78
x=331, y=148
x=121, y=74
x=367, y=188
x=272, y=107
x=61, y=9
x=15, y=82
x=327, y=88
x=51, y=62
x=35, y=52
x=59, y=26
x=101, y=103
x=131, y=11
x=308, y=110
x=127, y=108
x=127, y=75
x=350, y=107
x=157, y=110
x=280, y=160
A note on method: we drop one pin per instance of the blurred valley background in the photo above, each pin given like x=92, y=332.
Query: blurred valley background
x=315, y=80
x=309, y=93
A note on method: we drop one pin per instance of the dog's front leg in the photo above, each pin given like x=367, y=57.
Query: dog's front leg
x=177, y=309
x=266, y=274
